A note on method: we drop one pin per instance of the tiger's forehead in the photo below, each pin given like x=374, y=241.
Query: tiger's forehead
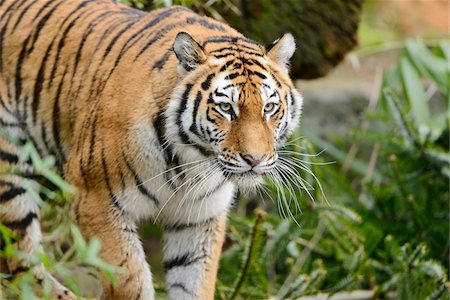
x=233, y=87
x=222, y=45
x=244, y=79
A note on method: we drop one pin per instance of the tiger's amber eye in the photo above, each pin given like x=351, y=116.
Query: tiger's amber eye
x=226, y=107
x=269, y=107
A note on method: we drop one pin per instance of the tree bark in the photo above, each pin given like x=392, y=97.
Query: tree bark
x=325, y=30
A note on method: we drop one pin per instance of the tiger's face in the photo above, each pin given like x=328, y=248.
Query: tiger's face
x=235, y=105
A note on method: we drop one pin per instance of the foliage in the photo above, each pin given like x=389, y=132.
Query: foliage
x=69, y=251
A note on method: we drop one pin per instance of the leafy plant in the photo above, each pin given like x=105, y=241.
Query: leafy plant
x=67, y=251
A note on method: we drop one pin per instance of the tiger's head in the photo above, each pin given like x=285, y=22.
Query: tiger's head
x=235, y=104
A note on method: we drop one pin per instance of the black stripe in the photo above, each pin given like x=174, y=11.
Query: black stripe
x=229, y=48
x=182, y=134
x=18, y=79
x=227, y=39
x=56, y=124
x=276, y=80
x=95, y=78
x=3, y=104
x=8, y=12
x=102, y=83
x=9, y=157
x=4, y=123
x=138, y=296
x=157, y=37
x=139, y=183
x=208, y=117
x=207, y=83
x=234, y=53
x=140, y=33
x=161, y=62
x=215, y=189
x=39, y=82
x=23, y=223
x=237, y=66
x=19, y=269
x=159, y=124
x=235, y=48
x=41, y=25
x=170, y=157
x=41, y=10
x=13, y=192
x=108, y=183
x=225, y=67
x=181, y=109
x=88, y=32
x=117, y=36
x=180, y=286
x=64, y=35
x=182, y=261
x=93, y=135
x=22, y=14
x=256, y=62
x=179, y=227
x=197, y=101
x=205, y=23
x=169, y=27
x=232, y=76
x=176, y=262
x=2, y=34
x=260, y=75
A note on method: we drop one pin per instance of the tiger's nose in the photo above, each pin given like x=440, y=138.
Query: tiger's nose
x=253, y=161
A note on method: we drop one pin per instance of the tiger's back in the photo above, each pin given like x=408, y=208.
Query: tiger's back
x=58, y=58
x=158, y=115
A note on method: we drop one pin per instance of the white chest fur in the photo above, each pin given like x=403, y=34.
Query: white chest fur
x=198, y=191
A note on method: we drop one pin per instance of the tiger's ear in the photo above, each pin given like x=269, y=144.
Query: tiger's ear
x=281, y=51
x=188, y=51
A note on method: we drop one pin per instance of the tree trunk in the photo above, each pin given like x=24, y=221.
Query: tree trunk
x=325, y=30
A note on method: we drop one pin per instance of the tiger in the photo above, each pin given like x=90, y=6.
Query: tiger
x=159, y=116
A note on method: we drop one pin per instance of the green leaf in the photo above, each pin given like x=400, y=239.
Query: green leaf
x=430, y=65
x=399, y=118
x=434, y=270
x=358, y=166
x=93, y=248
x=437, y=126
x=342, y=211
x=415, y=94
x=80, y=244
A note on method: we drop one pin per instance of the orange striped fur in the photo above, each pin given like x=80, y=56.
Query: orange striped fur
x=158, y=116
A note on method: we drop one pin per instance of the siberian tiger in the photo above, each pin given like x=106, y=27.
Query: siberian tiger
x=159, y=115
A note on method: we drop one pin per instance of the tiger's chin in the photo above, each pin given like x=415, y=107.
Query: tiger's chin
x=247, y=179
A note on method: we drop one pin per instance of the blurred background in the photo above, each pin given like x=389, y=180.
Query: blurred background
x=364, y=211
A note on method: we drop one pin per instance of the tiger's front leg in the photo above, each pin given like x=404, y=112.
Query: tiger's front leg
x=191, y=258
x=120, y=247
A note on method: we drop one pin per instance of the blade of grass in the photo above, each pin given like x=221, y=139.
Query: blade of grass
x=415, y=93
x=428, y=64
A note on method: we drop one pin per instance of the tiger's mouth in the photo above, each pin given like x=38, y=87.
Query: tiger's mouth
x=245, y=176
